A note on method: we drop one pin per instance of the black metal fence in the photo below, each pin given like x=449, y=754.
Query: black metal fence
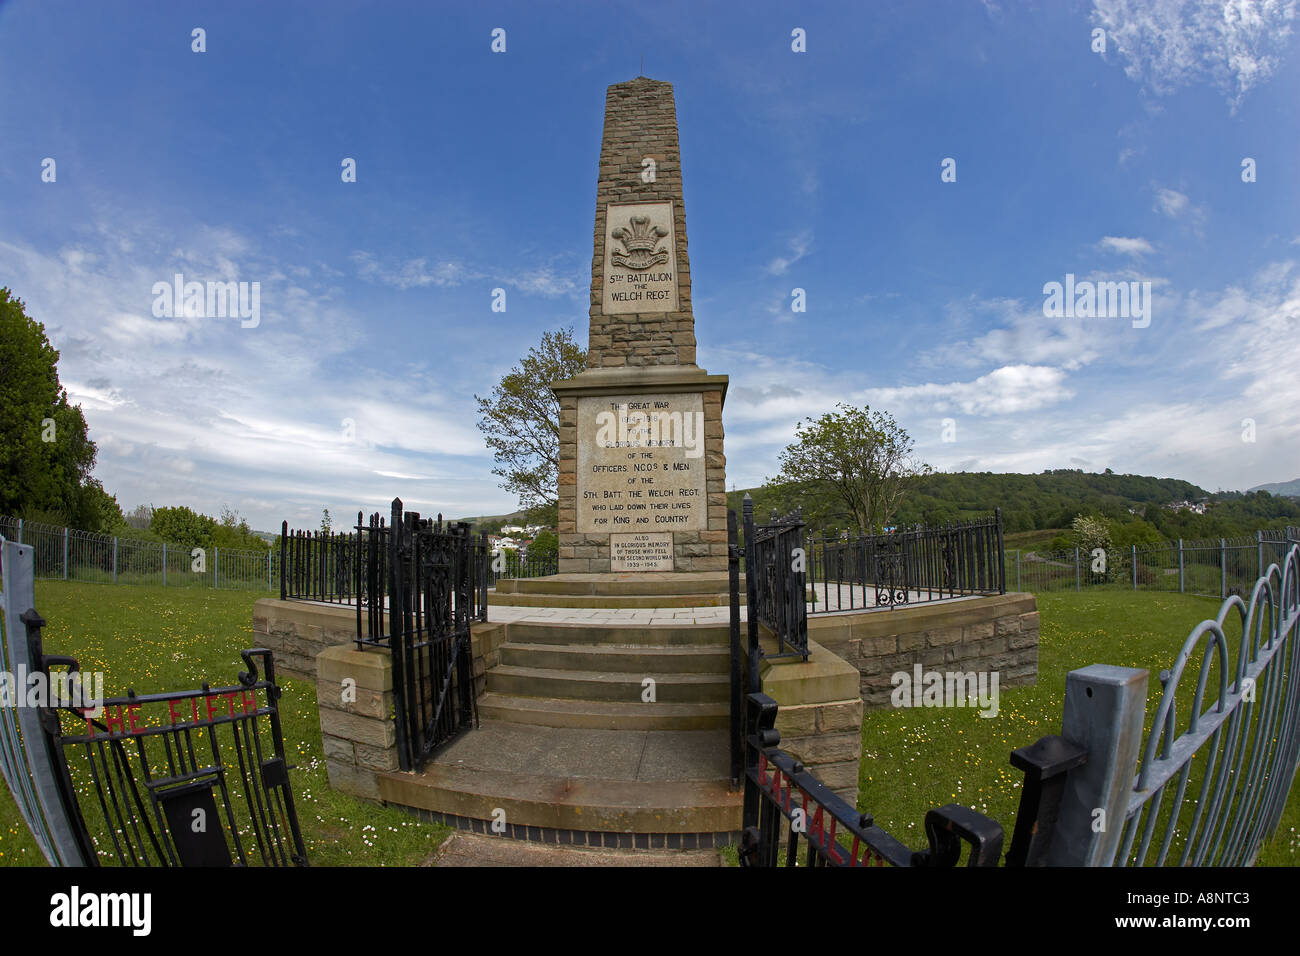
x=187, y=778
x=786, y=807
x=848, y=572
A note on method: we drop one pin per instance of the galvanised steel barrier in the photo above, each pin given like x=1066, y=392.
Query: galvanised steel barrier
x=907, y=566
x=70, y=555
x=1115, y=798
x=1211, y=567
x=786, y=807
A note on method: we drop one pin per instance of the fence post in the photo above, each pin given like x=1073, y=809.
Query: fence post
x=268, y=569
x=1104, y=708
x=65, y=554
x=114, y=559
x=1135, y=567
x=1180, y=565
x=1017, y=570
x=1259, y=538
x=164, y=564
x=1223, y=568
x=1076, y=568
x=20, y=530
x=216, y=563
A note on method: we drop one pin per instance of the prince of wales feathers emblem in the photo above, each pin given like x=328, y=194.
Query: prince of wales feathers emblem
x=639, y=244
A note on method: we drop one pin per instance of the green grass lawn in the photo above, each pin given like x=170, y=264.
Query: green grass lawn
x=167, y=639
x=156, y=639
x=917, y=759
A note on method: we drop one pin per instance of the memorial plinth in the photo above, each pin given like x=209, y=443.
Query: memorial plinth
x=642, y=477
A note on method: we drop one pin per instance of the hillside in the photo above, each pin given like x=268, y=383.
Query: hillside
x=1290, y=488
x=1051, y=500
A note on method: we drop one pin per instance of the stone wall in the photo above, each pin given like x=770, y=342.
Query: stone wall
x=997, y=633
x=640, y=123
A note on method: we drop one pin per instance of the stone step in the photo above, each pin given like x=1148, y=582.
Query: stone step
x=614, y=601
x=589, y=780
x=646, y=583
x=605, y=685
x=569, y=803
x=603, y=714
x=640, y=660
x=604, y=632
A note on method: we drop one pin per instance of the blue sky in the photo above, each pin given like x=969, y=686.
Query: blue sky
x=817, y=170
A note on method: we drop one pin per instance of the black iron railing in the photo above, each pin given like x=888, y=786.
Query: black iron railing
x=352, y=568
x=856, y=571
x=776, y=579
x=787, y=807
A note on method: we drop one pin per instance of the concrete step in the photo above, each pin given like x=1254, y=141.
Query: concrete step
x=500, y=598
x=639, y=660
x=604, y=714
x=605, y=685
x=603, y=632
x=645, y=583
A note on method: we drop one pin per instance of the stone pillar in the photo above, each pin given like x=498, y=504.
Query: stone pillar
x=356, y=719
x=649, y=492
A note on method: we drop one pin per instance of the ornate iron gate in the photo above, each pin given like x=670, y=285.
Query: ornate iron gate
x=430, y=602
x=189, y=778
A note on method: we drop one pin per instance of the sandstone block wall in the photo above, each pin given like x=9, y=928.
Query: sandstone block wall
x=997, y=633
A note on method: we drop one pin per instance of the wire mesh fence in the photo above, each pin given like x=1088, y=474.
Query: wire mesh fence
x=1213, y=567
x=71, y=555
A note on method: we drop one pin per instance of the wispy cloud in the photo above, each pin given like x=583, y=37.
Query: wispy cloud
x=800, y=245
x=1235, y=45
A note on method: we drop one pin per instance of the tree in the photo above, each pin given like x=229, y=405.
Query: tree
x=863, y=459
x=325, y=522
x=46, y=455
x=521, y=420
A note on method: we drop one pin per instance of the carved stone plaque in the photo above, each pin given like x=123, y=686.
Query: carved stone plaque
x=646, y=551
x=640, y=261
x=641, y=463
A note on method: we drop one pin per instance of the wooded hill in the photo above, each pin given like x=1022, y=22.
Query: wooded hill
x=1051, y=500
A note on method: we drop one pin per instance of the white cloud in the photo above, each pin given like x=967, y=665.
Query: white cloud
x=1128, y=247
x=1236, y=45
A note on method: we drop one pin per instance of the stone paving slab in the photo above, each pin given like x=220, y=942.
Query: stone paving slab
x=473, y=849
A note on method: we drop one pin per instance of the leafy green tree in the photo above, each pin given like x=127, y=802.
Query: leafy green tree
x=46, y=455
x=545, y=546
x=521, y=420
x=1090, y=532
x=181, y=525
x=859, y=458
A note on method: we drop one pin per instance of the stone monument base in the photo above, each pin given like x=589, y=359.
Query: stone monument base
x=628, y=506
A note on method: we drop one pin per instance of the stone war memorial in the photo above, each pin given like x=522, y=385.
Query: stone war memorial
x=605, y=705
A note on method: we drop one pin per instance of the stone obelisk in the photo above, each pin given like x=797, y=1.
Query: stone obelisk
x=642, y=481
